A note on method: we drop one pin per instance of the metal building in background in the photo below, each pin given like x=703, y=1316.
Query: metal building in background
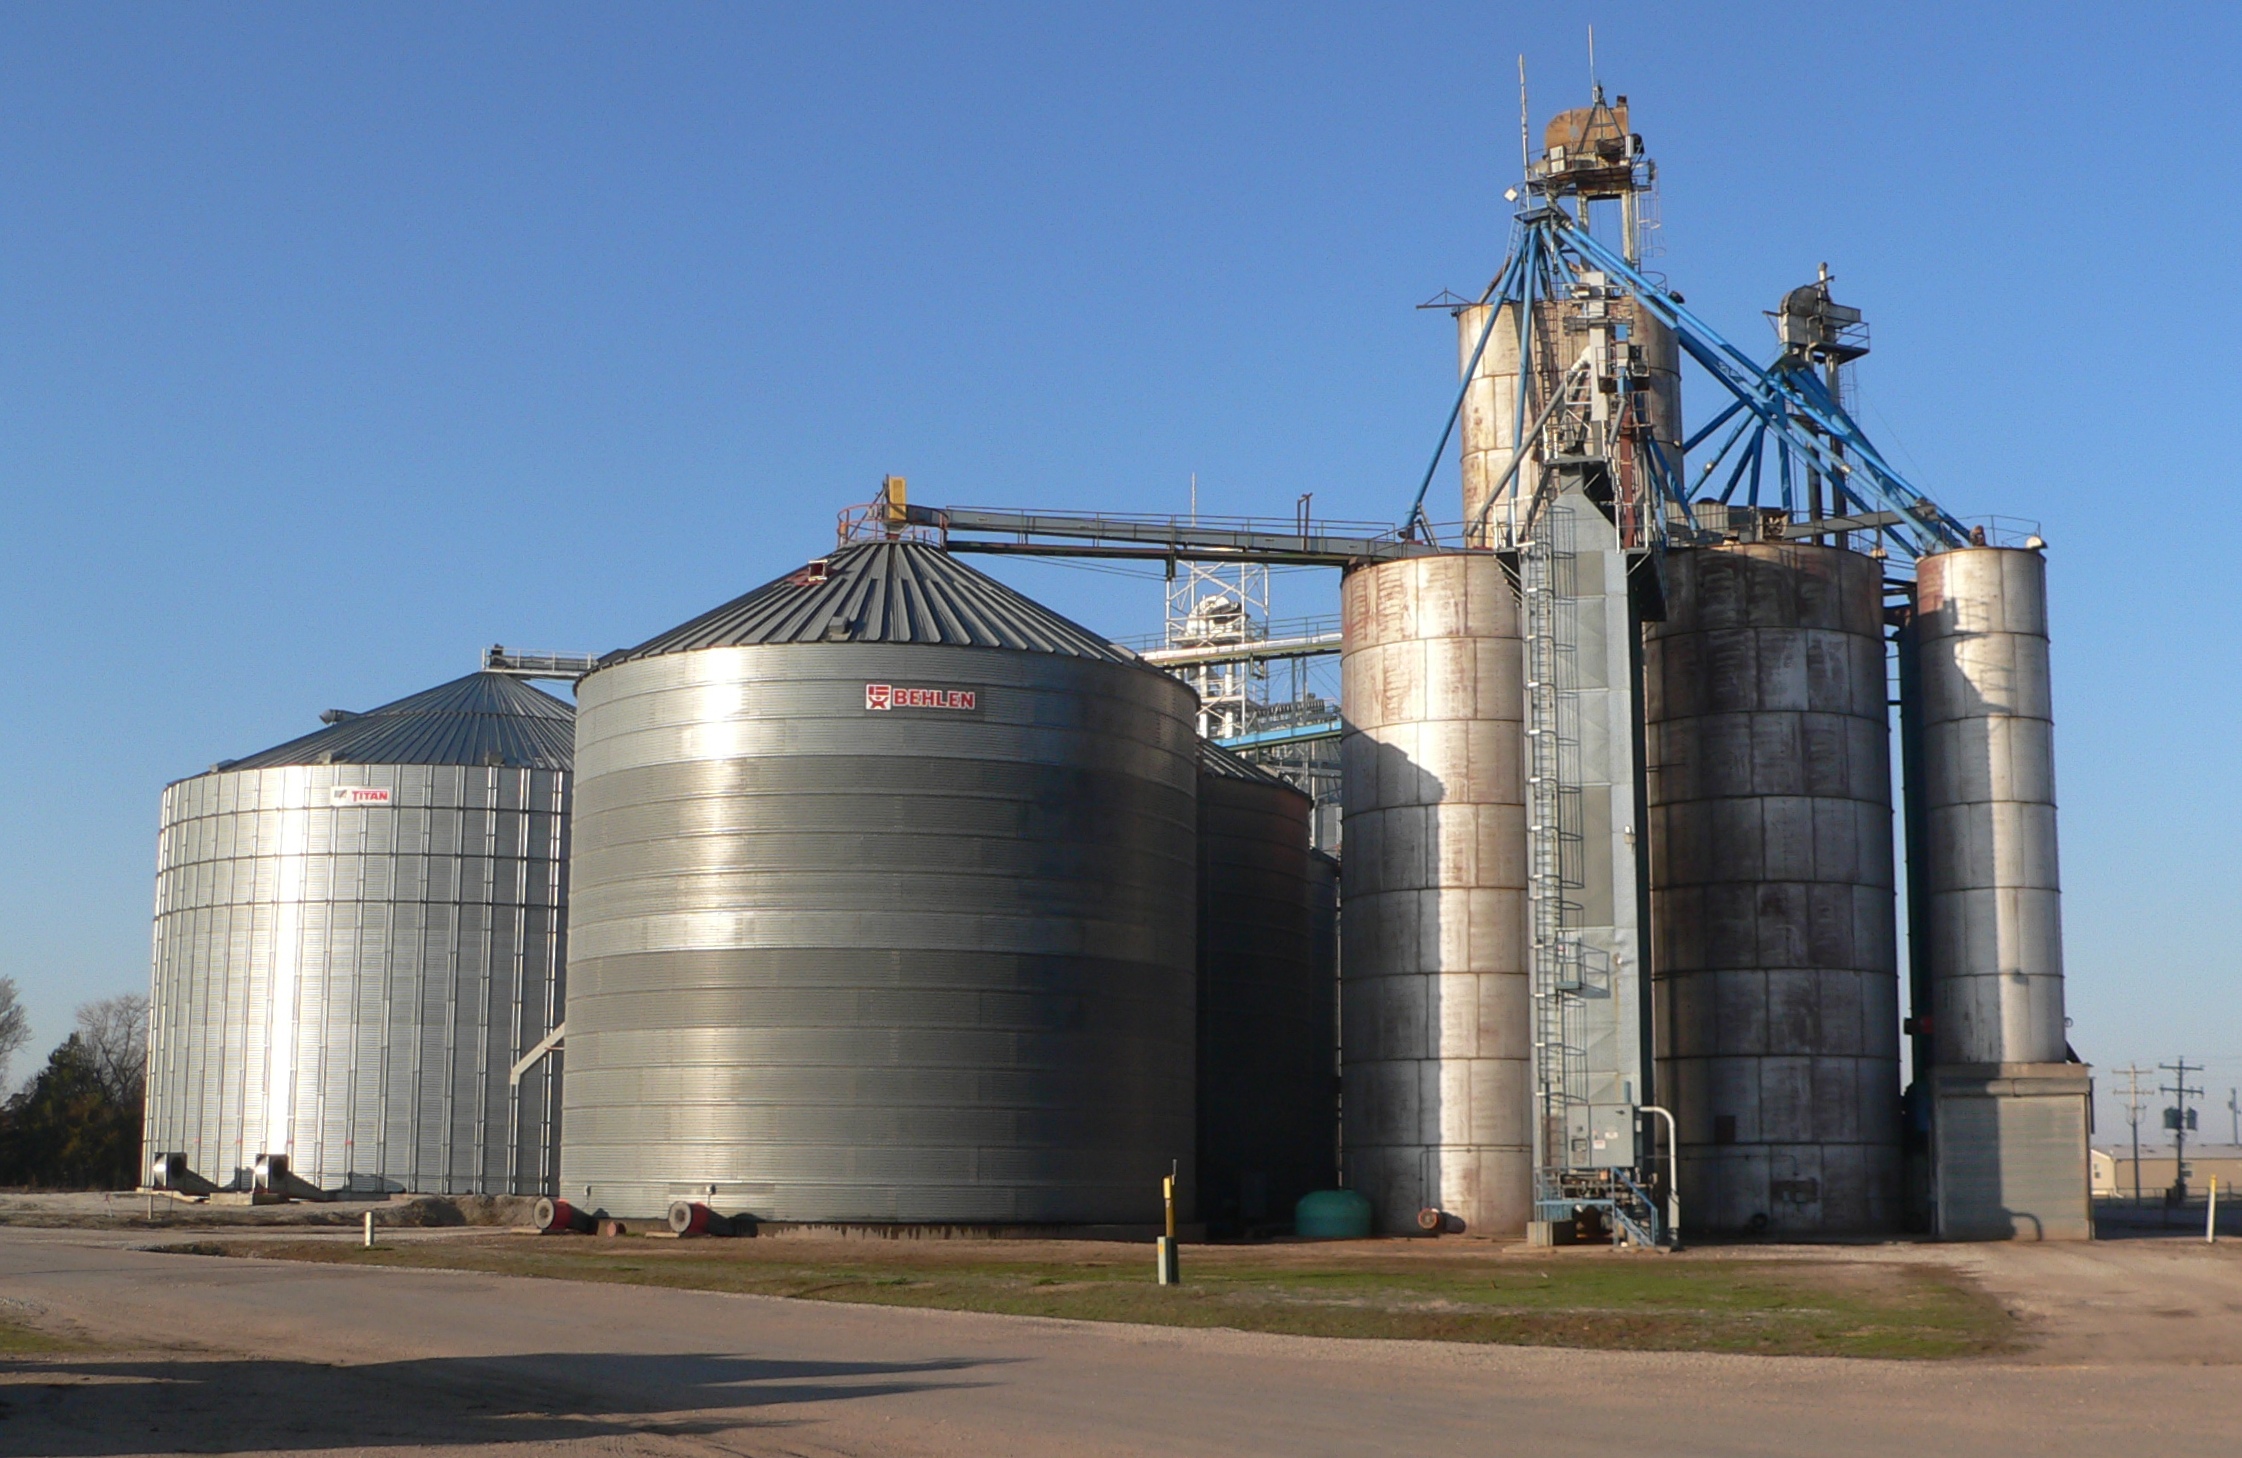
x=1435, y=1042
x=883, y=909
x=358, y=935
x=1268, y=1098
x=1776, y=980
x=2010, y=1108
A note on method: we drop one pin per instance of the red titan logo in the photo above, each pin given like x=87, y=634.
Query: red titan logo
x=889, y=696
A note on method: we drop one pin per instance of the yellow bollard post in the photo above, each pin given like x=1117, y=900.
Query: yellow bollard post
x=2211, y=1216
x=1171, y=1267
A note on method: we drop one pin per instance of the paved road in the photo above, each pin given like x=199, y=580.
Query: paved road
x=211, y=1354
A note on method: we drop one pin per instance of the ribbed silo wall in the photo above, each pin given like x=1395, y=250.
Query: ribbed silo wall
x=1323, y=930
x=835, y=963
x=1435, y=1036
x=351, y=984
x=1268, y=1108
x=1988, y=726
x=1774, y=946
x=2011, y=1113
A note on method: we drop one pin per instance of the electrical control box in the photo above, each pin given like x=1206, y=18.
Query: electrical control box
x=1601, y=1136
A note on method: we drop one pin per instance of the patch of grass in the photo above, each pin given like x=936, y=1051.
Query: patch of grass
x=1604, y=1300
x=18, y=1340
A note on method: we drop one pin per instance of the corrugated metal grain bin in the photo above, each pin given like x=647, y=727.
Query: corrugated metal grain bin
x=357, y=934
x=1268, y=1094
x=884, y=909
x=1323, y=924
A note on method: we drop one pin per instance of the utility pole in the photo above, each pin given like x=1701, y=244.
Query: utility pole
x=2234, y=1108
x=2134, y=1094
x=2178, y=1117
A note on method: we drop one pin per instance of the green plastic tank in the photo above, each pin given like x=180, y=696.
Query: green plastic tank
x=1332, y=1215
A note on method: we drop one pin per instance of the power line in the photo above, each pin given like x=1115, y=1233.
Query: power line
x=2134, y=1094
x=2178, y=1118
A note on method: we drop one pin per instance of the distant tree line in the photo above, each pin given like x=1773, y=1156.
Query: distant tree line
x=76, y=1125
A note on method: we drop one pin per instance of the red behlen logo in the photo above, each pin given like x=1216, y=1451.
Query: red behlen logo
x=890, y=696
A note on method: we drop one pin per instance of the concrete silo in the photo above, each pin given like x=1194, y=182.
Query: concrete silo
x=2010, y=1111
x=884, y=909
x=1434, y=1025
x=1268, y=1098
x=358, y=934
x=1774, y=945
x=1490, y=417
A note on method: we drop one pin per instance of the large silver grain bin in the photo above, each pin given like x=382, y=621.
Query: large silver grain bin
x=1268, y=1098
x=1435, y=1032
x=357, y=935
x=1776, y=980
x=884, y=909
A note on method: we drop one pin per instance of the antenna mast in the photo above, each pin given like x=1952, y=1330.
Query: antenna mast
x=1525, y=125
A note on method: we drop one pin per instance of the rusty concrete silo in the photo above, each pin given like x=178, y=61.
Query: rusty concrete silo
x=1435, y=1035
x=1775, y=972
x=1490, y=421
x=2010, y=1116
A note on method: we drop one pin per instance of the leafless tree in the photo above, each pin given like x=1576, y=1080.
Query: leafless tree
x=15, y=1026
x=114, y=1033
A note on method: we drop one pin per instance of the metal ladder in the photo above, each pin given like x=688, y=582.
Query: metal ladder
x=1553, y=838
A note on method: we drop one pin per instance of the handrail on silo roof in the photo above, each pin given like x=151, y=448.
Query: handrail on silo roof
x=567, y=667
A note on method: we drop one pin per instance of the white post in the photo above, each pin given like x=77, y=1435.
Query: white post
x=1673, y=1174
x=369, y=1230
x=2211, y=1216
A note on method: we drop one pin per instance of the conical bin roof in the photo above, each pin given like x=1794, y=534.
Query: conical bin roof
x=883, y=592
x=481, y=719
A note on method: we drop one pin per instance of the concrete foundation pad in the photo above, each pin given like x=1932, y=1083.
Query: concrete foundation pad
x=2009, y=1151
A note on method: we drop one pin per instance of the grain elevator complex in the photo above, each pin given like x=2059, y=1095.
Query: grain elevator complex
x=885, y=896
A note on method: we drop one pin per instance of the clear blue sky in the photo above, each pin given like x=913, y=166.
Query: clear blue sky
x=338, y=342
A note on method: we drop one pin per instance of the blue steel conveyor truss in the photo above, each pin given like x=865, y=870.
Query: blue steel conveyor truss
x=1781, y=420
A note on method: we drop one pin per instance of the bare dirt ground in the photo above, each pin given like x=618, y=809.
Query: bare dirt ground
x=2135, y=1343
x=2118, y=1303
